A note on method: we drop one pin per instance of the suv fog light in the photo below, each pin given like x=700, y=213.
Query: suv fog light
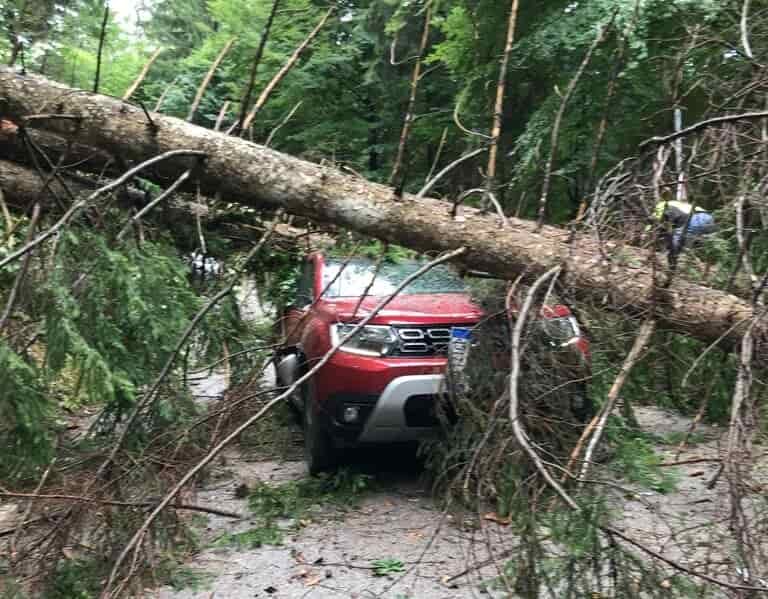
x=351, y=414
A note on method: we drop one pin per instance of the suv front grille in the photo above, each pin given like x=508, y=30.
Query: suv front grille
x=422, y=340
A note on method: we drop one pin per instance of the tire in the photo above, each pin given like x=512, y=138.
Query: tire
x=319, y=452
x=581, y=403
x=295, y=411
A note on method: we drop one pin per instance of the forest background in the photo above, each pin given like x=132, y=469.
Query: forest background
x=586, y=85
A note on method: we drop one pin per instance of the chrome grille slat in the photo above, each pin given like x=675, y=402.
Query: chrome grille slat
x=423, y=340
x=410, y=334
x=413, y=348
x=441, y=334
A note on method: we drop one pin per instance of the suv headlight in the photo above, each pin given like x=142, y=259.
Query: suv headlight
x=561, y=331
x=370, y=340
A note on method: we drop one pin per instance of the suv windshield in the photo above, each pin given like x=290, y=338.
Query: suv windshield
x=356, y=276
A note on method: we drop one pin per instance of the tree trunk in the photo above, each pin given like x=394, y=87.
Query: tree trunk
x=22, y=186
x=498, y=109
x=261, y=177
x=56, y=148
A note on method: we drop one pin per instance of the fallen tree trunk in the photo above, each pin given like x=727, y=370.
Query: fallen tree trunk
x=251, y=174
x=57, y=149
x=22, y=186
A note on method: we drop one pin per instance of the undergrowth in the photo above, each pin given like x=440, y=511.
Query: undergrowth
x=636, y=460
x=95, y=323
x=288, y=506
x=483, y=473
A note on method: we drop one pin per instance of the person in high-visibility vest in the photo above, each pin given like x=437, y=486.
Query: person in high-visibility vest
x=677, y=214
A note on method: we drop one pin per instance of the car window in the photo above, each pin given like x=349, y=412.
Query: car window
x=304, y=289
x=358, y=274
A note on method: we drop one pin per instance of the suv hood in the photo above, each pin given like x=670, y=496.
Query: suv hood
x=432, y=308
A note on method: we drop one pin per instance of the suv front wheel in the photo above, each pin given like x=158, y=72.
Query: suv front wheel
x=319, y=452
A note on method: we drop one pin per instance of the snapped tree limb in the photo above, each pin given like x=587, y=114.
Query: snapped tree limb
x=612, y=276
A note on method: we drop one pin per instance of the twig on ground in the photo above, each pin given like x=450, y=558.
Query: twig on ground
x=13, y=557
x=37, y=496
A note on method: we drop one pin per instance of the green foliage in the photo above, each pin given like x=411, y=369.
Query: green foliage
x=353, y=101
x=457, y=28
x=276, y=275
x=120, y=333
x=182, y=577
x=637, y=461
x=253, y=538
x=109, y=321
x=77, y=579
x=9, y=587
x=294, y=501
x=585, y=556
x=658, y=378
x=371, y=248
x=103, y=340
x=24, y=415
x=387, y=566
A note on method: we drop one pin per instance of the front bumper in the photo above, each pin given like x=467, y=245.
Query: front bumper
x=395, y=398
x=405, y=410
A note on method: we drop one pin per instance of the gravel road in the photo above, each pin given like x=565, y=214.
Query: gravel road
x=331, y=554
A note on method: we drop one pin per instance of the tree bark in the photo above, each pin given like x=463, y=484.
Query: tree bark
x=21, y=186
x=409, y=111
x=142, y=75
x=12, y=147
x=208, y=76
x=261, y=177
x=498, y=109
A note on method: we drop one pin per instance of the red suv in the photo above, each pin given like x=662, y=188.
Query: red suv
x=381, y=386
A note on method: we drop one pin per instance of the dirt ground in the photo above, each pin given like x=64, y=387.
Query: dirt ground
x=331, y=554
x=689, y=522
